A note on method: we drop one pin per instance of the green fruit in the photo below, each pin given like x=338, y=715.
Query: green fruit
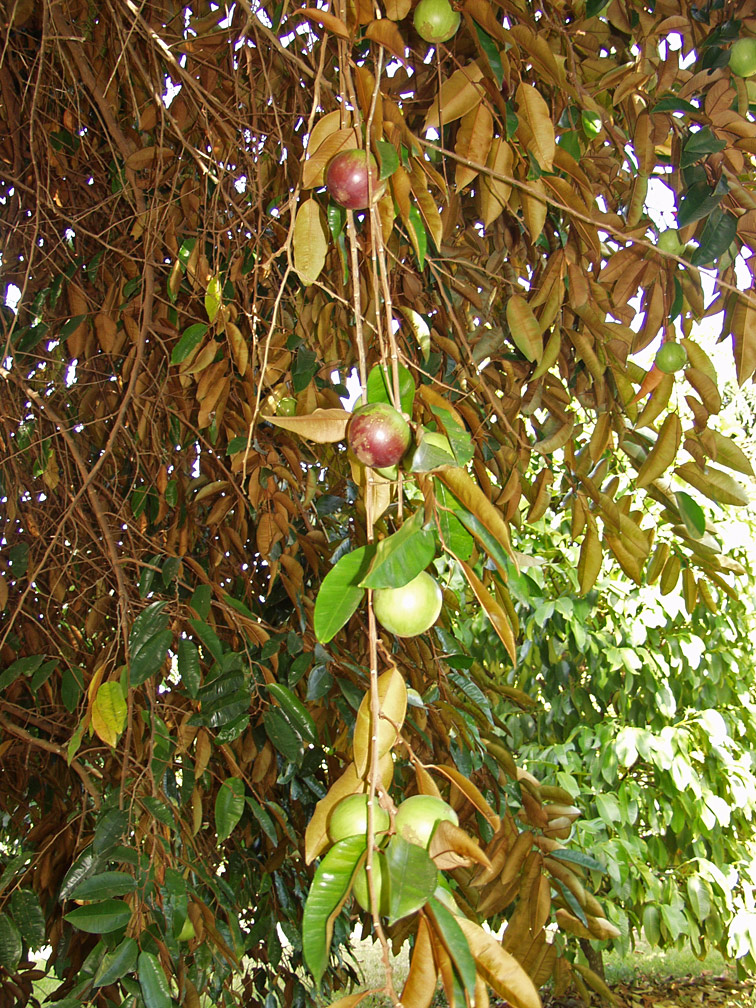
x=411, y=609
x=350, y=818
x=286, y=406
x=417, y=816
x=187, y=931
x=743, y=57
x=669, y=241
x=435, y=21
x=671, y=357
x=361, y=890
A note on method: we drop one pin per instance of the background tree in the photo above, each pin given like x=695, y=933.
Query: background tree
x=190, y=677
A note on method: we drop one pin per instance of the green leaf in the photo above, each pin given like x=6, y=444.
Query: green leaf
x=324, y=901
x=208, y=638
x=148, y=658
x=717, y=236
x=594, y=7
x=699, y=201
x=491, y=49
x=266, y=821
x=117, y=963
x=100, y=918
x=700, y=144
x=388, y=158
x=340, y=593
x=418, y=235
x=380, y=381
x=413, y=877
x=282, y=735
x=153, y=982
x=11, y=945
x=201, y=599
x=190, y=340
x=229, y=805
x=671, y=103
x=189, y=666
x=691, y=513
x=104, y=886
x=452, y=533
x=578, y=858
x=109, y=712
x=456, y=944
x=213, y=297
x=295, y=711
x=402, y=556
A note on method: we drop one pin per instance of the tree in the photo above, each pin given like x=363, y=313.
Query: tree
x=192, y=673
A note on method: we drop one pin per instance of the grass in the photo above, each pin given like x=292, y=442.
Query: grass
x=645, y=962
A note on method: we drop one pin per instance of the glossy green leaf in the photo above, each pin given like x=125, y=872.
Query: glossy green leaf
x=326, y=896
x=104, y=886
x=340, y=593
x=380, y=384
x=190, y=340
x=265, y=820
x=213, y=297
x=452, y=533
x=699, y=145
x=283, y=736
x=295, y=711
x=189, y=666
x=100, y=918
x=418, y=235
x=117, y=963
x=578, y=858
x=229, y=805
x=491, y=49
x=456, y=944
x=153, y=982
x=413, y=877
x=402, y=556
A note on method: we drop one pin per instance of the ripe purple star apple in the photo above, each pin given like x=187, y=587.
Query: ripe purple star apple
x=351, y=177
x=378, y=435
x=411, y=609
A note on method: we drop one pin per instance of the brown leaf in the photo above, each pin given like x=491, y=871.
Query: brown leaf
x=324, y=426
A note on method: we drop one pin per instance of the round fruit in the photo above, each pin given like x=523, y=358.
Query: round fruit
x=361, y=889
x=378, y=435
x=347, y=177
x=743, y=57
x=435, y=21
x=411, y=609
x=671, y=357
x=669, y=241
x=350, y=818
x=286, y=406
x=417, y=816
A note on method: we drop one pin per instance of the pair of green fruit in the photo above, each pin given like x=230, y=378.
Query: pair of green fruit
x=415, y=820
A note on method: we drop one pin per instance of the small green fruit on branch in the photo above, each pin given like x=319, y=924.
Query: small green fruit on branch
x=411, y=609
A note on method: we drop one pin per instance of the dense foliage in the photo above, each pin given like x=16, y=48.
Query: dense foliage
x=192, y=675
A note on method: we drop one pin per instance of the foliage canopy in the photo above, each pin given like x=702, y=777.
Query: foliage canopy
x=191, y=671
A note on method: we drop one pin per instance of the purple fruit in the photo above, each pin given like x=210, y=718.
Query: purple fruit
x=378, y=435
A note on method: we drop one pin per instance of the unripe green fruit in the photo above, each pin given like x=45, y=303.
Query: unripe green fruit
x=669, y=241
x=435, y=20
x=671, y=357
x=286, y=406
x=361, y=889
x=416, y=817
x=411, y=609
x=350, y=818
x=743, y=57
x=187, y=932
